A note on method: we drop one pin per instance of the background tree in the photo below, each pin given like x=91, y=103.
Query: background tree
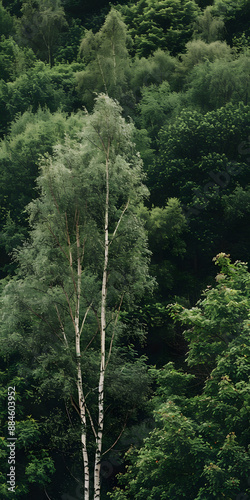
x=207, y=77
x=207, y=27
x=31, y=135
x=39, y=86
x=13, y=60
x=200, y=446
x=40, y=26
x=198, y=52
x=6, y=22
x=213, y=167
x=165, y=24
x=106, y=56
x=234, y=14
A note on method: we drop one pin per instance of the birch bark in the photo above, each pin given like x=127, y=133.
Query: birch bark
x=97, y=466
x=81, y=399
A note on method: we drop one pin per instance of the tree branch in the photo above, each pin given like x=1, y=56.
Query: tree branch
x=116, y=441
x=118, y=223
x=45, y=491
x=74, y=405
x=91, y=421
x=62, y=327
x=113, y=334
x=85, y=317
x=68, y=415
x=58, y=243
x=68, y=302
x=90, y=342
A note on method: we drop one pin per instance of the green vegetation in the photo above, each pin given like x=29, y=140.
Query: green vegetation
x=124, y=171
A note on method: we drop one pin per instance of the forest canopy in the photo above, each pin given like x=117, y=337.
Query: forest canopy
x=124, y=181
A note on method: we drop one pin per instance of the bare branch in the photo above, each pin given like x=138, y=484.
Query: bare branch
x=68, y=302
x=45, y=491
x=77, y=480
x=90, y=342
x=97, y=318
x=74, y=405
x=67, y=411
x=91, y=421
x=85, y=317
x=62, y=327
x=116, y=441
x=92, y=142
x=118, y=223
x=83, y=247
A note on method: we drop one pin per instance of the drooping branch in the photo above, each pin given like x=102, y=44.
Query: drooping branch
x=68, y=415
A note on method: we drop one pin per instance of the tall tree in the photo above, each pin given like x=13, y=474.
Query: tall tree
x=87, y=255
x=6, y=21
x=40, y=25
x=106, y=55
x=207, y=27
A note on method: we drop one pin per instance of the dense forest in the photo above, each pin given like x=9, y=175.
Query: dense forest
x=125, y=242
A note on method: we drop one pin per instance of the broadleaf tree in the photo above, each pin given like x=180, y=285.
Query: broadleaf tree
x=107, y=62
x=40, y=26
x=199, y=448
x=86, y=257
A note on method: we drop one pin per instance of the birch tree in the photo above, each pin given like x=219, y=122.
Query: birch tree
x=40, y=25
x=107, y=60
x=87, y=256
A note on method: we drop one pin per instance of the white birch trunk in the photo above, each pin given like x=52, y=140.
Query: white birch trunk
x=97, y=467
x=81, y=399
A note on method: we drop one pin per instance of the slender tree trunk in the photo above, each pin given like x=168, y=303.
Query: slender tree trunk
x=114, y=61
x=97, y=467
x=103, y=78
x=81, y=399
x=83, y=424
